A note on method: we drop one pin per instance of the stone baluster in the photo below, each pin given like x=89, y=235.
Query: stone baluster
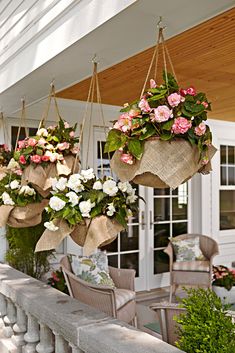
x=75, y=349
x=46, y=344
x=61, y=345
x=19, y=328
x=32, y=335
x=3, y=311
x=9, y=319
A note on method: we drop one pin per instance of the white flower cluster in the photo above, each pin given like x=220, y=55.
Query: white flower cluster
x=22, y=190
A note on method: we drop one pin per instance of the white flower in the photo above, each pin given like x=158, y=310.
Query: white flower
x=56, y=203
x=59, y=185
x=73, y=198
x=13, y=164
x=85, y=208
x=75, y=183
x=42, y=132
x=132, y=197
x=110, y=187
x=111, y=209
x=87, y=174
x=25, y=189
x=98, y=185
x=51, y=226
x=125, y=187
x=14, y=185
x=49, y=146
x=7, y=200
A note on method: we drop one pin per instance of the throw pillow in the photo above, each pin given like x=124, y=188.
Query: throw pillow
x=187, y=249
x=92, y=269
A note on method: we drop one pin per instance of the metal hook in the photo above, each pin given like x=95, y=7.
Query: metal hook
x=52, y=82
x=94, y=59
x=159, y=23
x=23, y=99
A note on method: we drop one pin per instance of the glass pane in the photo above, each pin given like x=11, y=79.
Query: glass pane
x=104, y=155
x=181, y=191
x=179, y=208
x=162, y=192
x=227, y=209
x=230, y=155
x=223, y=175
x=161, y=262
x=231, y=176
x=113, y=260
x=161, y=209
x=130, y=261
x=112, y=247
x=179, y=228
x=222, y=154
x=130, y=240
x=161, y=235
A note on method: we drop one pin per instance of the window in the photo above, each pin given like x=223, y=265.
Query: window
x=22, y=135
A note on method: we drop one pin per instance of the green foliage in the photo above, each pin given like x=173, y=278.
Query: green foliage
x=57, y=281
x=205, y=327
x=136, y=148
x=21, y=255
x=223, y=277
x=115, y=140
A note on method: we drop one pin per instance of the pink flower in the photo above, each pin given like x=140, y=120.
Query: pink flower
x=22, y=159
x=45, y=158
x=153, y=83
x=18, y=172
x=35, y=159
x=66, y=125
x=71, y=134
x=75, y=150
x=127, y=158
x=123, y=123
x=31, y=142
x=191, y=91
x=200, y=129
x=133, y=113
x=162, y=113
x=41, y=142
x=183, y=92
x=205, y=104
x=63, y=146
x=5, y=147
x=54, y=276
x=174, y=99
x=181, y=125
x=144, y=106
x=21, y=144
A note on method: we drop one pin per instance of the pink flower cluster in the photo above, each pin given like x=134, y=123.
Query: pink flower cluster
x=124, y=122
x=181, y=125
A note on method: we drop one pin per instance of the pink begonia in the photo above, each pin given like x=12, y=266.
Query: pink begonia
x=22, y=159
x=127, y=158
x=45, y=158
x=144, y=106
x=133, y=113
x=18, y=172
x=63, y=146
x=162, y=113
x=71, y=134
x=66, y=125
x=153, y=83
x=21, y=144
x=174, y=99
x=181, y=125
x=123, y=123
x=31, y=142
x=36, y=159
x=41, y=142
x=200, y=129
x=205, y=104
x=191, y=91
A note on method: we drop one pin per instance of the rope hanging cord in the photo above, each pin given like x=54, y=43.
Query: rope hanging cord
x=22, y=124
x=51, y=96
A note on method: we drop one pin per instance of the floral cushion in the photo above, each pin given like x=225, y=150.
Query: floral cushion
x=92, y=269
x=187, y=249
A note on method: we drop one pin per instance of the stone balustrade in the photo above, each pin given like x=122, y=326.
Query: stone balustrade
x=35, y=318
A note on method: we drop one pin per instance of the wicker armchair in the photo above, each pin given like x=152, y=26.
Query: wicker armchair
x=118, y=302
x=166, y=313
x=195, y=273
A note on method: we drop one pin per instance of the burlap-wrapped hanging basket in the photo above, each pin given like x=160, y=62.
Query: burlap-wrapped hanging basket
x=163, y=164
x=40, y=177
x=89, y=234
x=22, y=217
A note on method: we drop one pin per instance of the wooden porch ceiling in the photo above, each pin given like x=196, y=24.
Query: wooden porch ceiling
x=203, y=57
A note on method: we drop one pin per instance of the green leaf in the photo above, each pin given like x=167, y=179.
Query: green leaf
x=166, y=137
x=28, y=150
x=55, y=138
x=186, y=113
x=39, y=152
x=136, y=148
x=158, y=96
x=121, y=218
x=150, y=131
x=97, y=210
x=170, y=80
x=115, y=140
x=168, y=125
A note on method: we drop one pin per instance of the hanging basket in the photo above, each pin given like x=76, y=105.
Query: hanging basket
x=163, y=164
x=90, y=234
x=22, y=217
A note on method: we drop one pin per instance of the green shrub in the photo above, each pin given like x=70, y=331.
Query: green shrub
x=205, y=327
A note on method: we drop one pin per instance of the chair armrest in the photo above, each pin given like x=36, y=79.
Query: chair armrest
x=123, y=278
x=170, y=253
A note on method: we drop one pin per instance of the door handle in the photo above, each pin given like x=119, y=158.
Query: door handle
x=150, y=219
x=142, y=220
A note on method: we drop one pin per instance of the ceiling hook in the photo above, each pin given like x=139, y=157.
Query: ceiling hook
x=159, y=24
x=94, y=59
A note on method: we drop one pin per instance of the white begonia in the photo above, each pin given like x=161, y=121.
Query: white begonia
x=132, y=197
x=7, y=200
x=73, y=198
x=51, y=226
x=56, y=203
x=85, y=208
x=50, y=147
x=125, y=187
x=27, y=190
x=87, y=174
x=13, y=164
x=75, y=183
x=42, y=132
x=98, y=185
x=111, y=210
x=14, y=184
x=59, y=185
x=110, y=187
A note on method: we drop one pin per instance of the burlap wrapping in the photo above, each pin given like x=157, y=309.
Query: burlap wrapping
x=89, y=234
x=40, y=177
x=22, y=217
x=163, y=164
x=3, y=172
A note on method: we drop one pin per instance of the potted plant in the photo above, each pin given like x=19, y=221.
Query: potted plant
x=162, y=139
x=224, y=283
x=91, y=210
x=205, y=327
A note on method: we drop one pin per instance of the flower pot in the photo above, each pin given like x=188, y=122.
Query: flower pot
x=227, y=296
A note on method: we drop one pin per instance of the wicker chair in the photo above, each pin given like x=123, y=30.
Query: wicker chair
x=118, y=302
x=166, y=313
x=195, y=273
